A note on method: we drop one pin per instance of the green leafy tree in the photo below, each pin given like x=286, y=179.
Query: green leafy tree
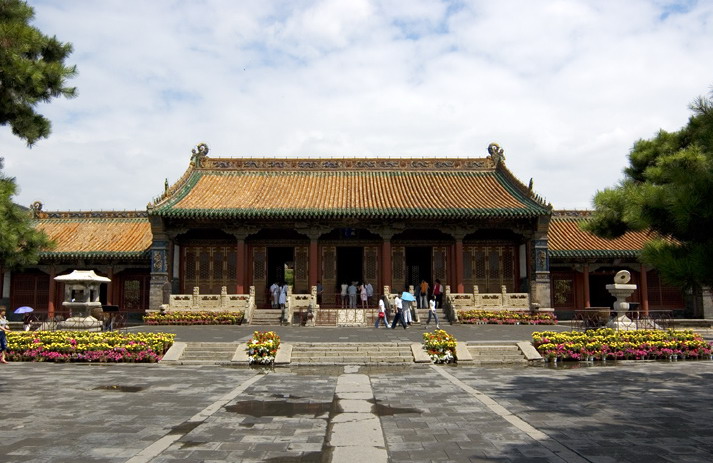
x=668, y=190
x=32, y=71
x=20, y=242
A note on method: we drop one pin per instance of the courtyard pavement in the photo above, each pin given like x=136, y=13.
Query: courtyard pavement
x=620, y=412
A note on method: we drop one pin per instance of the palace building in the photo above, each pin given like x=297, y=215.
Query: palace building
x=249, y=222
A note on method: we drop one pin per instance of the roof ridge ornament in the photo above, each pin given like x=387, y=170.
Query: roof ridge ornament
x=200, y=152
x=497, y=154
x=36, y=208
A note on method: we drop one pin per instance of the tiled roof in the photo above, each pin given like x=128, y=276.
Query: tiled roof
x=96, y=234
x=567, y=239
x=358, y=188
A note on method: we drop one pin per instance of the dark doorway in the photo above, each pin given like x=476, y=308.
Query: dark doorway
x=418, y=265
x=349, y=264
x=598, y=294
x=280, y=265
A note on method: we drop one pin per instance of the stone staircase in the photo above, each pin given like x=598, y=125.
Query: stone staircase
x=398, y=353
x=266, y=317
x=496, y=353
x=442, y=319
x=208, y=353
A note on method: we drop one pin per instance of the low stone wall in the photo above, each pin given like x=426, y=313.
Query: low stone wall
x=455, y=302
x=222, y=302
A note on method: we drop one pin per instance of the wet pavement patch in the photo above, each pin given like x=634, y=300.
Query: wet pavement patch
x=117, y=388
x=380, y=409
x=184, y=428
x=261, y=408
x=309, y=457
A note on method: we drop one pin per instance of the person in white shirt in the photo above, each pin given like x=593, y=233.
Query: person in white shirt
x=399, y=313
x=432, y=313
x=382, y=314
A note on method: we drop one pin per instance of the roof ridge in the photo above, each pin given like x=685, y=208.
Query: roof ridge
x=43, y=215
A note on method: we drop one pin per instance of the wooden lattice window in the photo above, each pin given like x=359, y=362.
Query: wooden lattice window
x=492, y=267
x=209, y=267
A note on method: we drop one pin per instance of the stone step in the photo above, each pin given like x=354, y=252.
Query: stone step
x=208, y=353
x=496, y=354
x=352, y=361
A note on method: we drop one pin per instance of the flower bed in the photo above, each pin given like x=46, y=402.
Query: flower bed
x=441, y=346
x=606, y=343
x=83, y=346
x=194, y=318
x=263, y=346
x=505, y=317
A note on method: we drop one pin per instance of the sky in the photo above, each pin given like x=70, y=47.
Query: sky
x=564, y=87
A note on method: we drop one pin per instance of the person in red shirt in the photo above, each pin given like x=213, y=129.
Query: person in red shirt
x=438, y=293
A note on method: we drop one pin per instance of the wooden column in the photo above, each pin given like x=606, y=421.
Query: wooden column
x=644, y=291
x=459, y=287
x=111, y=286
x=240, y=265
x=51, y=295
x=587, y=302
x=386, y=267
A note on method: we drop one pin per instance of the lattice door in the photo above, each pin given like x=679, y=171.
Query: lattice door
x=371, y=266
x=490, y=267
x=398, y=263
x=301, y=270
x=330, y=292
x=439, y=261
x=259, y=254
x=210, y=268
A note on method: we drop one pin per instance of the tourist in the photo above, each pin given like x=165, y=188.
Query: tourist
x=406, y=315
x=423, y=295
x=282, y=301
x=432, y=313
x=381, y=316
x=3, y=336
x=275, y=294
x=399, y=312
x=438, y=293
x=344, y=295
x=363, y=295
x=369, y=293
x=27, y=321
x=320, y=289
x=352, y=292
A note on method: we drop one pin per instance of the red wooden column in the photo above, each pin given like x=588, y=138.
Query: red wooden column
x=50, y=299
x=110, y=287
x=386, y=268
x=587, y=302
x=460, y=288
x=644, y=291
x=240, y=265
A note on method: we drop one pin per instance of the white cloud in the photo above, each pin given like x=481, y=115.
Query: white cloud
x=565, y=87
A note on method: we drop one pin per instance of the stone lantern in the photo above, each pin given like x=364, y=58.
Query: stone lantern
x=81, y=297
x=621, y=290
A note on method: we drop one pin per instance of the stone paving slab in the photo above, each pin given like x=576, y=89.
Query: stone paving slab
x=623, y=412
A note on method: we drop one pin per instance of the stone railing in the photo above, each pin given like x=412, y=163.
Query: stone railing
x=304, y=304
x=222, y=302
x=484, y=301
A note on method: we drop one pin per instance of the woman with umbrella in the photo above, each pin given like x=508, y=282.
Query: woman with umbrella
x=3, y=336
x=407, y=299
x=26, y=316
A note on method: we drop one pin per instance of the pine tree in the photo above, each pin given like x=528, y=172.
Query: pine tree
x=668, y=190
x=32, y=71
x=20, y=241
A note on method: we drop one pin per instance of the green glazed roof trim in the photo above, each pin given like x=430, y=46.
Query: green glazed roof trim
x=593, y=253
x=132, y=255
